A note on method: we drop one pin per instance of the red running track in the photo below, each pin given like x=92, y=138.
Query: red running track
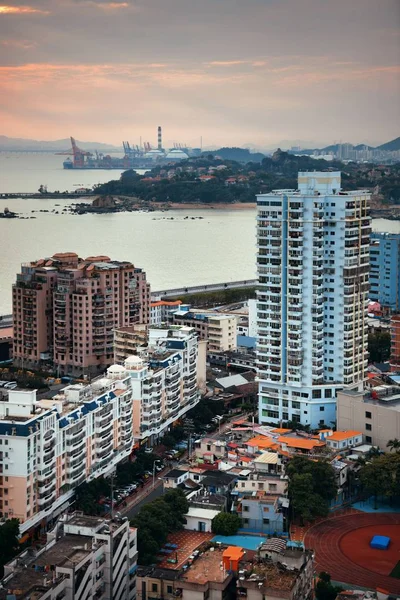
x=325, y=537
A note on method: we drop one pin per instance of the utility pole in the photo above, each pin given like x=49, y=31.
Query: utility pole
x=188, y=428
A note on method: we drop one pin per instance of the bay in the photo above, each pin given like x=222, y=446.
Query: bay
x=174, y=251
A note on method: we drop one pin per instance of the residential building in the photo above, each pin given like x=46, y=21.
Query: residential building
x=265, y=483
x=65, y=310
x=384, y=273
x=165, y=383
x=129, y=340
x=395, y=343
x=283, y=572
x=85, y=558
x=209, y=450
x=375, y=413
x=49, y=447
x=313, y=263
x=155, y=582
x=161, y=311
x=218, y=329
x=262, y=512
x=200, y=519
x=202, y=579
x=344, y=440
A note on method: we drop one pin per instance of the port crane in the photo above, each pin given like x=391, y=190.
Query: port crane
x=77, y=153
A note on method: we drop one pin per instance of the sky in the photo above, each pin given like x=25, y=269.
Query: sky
x=232, y=72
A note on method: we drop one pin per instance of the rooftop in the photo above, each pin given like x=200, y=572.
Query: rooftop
x=300, y=442
x=175, y=473
x=67, y=552
x=269, y=574
x=206, y=568
x=187, y=542
x=338, y=436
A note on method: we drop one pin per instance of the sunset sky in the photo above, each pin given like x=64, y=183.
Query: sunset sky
x=232, y=71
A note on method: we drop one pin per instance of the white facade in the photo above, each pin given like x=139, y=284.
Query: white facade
x=49, y=447
x=313, y=262
x=165, y=385
x=200, y=519
x=91, y=559
x=252, y=304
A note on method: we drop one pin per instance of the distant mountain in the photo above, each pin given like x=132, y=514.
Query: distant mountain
x=391, y=146
x=242, y=155
x=23, y=145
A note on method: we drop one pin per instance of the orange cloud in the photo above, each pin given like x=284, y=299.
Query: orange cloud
x=21, y=10
x=22, y=44
x=111, y=5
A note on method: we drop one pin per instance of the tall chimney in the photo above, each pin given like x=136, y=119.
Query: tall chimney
x=159, y=138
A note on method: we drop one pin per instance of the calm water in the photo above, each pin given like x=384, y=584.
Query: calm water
x=179, y=252
x=26, y=171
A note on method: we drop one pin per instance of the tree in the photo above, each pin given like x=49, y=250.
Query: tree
x=312, y=485
x=379, y=346
x=168, y=441
x=225, y=523
x=324, y=590
x=156, y=520
x=9, y=545
x=394, y=444
x=381, y=476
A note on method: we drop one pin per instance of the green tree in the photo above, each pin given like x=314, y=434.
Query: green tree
x=324, y=590
x=156, y=520
x=381, y=477
x=394, y=445
x=168, y=441
x=379, y=346
x=312, y=485
x=225, y=523
x=9, y=545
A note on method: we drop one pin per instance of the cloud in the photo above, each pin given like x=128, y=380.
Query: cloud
x=21, y=10
x=20, y=44
x=111, y=5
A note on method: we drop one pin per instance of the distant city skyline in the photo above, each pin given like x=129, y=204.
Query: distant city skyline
x=233, y=72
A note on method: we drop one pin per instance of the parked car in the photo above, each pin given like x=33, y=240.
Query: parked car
x=10, y=385
x=148, y=450
x=2, y=383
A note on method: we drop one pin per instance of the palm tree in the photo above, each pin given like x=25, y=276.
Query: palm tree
x=394, y=444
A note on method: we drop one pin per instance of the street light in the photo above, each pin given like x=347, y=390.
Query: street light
x=154, y=470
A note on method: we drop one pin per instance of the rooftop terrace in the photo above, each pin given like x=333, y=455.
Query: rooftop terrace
x=206, y=568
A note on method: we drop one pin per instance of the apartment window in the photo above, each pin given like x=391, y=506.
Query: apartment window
x=265, y=521
x=245, y=509
x=322, y=408
x=295, y=404
x=169, y=589
x=368, y=426
x=368, y=415
x=154, y=587
x=368, y=439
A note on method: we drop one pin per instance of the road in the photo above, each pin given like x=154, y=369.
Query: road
x=148, y=493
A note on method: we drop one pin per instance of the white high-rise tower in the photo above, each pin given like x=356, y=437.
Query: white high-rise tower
x=313, y=263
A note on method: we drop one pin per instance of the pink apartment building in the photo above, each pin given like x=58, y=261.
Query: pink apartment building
x=65, y=310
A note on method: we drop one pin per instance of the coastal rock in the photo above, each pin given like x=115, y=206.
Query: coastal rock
x=104, y=202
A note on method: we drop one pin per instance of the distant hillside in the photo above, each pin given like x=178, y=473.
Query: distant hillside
x=391, y=146
x=241, y=155
x=26, y=145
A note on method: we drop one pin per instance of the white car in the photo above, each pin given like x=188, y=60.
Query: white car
x=10, y=385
